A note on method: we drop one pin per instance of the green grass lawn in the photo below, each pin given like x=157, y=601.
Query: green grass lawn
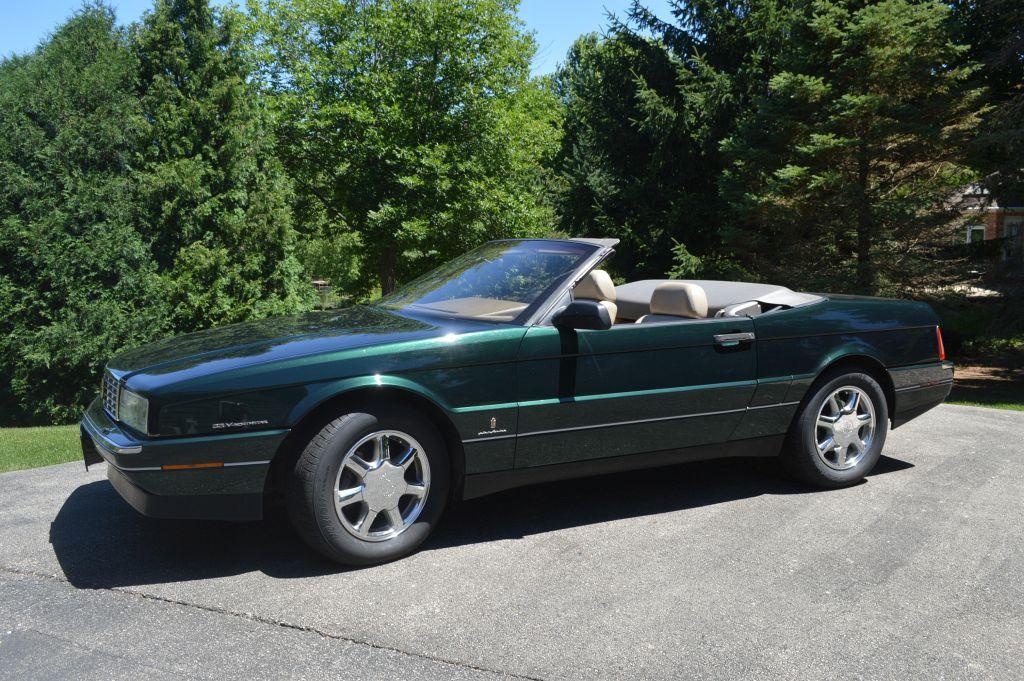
x=31, y=447
x=1015, y=406
x=991, y=404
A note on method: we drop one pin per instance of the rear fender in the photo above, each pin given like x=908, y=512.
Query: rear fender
x=856, y=354
x=848, y=346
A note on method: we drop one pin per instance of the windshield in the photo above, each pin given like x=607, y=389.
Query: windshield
x=497, y=281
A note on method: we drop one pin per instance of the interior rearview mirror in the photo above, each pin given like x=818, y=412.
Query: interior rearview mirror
x=584, y=314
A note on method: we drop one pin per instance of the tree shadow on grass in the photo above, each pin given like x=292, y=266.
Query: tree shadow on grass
x=101, y=542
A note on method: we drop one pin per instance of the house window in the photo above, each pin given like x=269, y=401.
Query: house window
x=975, y=234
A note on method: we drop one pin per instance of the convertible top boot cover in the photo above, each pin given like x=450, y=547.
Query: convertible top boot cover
x=634, y=298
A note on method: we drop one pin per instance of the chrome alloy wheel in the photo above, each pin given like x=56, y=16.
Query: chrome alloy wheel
x=845, y=428
x=382, y=485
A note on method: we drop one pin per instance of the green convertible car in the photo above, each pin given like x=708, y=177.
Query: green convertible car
x=518, y=362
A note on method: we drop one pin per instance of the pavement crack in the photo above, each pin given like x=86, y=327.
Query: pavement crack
x=270, y=621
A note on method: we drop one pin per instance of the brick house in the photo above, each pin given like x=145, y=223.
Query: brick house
x=993, y=219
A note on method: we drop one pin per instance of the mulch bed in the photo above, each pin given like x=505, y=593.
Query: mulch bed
x=993, y=380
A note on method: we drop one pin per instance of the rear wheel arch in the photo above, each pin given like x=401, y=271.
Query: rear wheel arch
x=863, y=363
x=352, y=400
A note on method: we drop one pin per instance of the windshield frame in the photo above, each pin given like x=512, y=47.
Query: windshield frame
x=541, y=303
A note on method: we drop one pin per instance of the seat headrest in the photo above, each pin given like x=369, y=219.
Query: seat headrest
x=597, y=285
x=679, y=299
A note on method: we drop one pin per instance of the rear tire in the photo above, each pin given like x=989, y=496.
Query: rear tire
x=370, y=486
x=838, y=435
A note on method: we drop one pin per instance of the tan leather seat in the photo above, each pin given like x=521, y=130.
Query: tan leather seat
x=597, y=285
x=676, y=300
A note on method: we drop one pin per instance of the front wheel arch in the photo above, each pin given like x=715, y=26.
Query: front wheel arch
x=310, y=424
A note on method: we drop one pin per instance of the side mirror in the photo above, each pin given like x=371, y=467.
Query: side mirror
x=584, y=314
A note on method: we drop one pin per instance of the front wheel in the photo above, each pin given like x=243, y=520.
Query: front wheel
x=839, y=433
x=370, y=486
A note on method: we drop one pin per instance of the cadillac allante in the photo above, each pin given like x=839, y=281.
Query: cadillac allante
x=516, y=363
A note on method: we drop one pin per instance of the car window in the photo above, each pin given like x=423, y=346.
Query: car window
x=498, y=281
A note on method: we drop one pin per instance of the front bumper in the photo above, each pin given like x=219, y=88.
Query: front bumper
x=149, y=473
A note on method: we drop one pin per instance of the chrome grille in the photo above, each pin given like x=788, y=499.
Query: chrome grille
x=110, y=394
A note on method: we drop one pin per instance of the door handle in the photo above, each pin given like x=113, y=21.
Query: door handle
x=733, y=339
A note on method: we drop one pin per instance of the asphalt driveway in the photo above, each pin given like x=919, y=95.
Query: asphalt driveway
x=712, y=570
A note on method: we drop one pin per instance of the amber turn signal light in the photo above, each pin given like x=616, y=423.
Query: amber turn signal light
x=189, y=466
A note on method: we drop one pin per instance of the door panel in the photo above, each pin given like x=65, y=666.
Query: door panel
x=633, y=388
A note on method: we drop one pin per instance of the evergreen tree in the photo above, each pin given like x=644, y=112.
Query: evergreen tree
x=625, y=170
x=840, y=177
x=77, y=282
x=994, y=29
x=646, y=110
x=412, y=128
x=215, y=194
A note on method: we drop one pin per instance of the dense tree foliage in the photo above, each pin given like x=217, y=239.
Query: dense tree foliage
x=77, y=280
x=215, y=195
x=816, y=142
x=139, y=196
x=994, y=29
x=412, y=128
x=646, y=110
x=841, y=175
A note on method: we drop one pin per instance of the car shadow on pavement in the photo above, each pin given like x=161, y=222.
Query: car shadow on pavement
x=558, y=505
x=100, y=542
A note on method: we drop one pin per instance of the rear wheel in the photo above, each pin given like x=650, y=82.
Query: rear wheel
x=839, y=433
x=370, y=486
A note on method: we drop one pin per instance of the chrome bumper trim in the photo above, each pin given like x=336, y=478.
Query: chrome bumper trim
x=107, y=445
x=107, y=451
x=773, y=406
x=630, y=423
x=919, y=386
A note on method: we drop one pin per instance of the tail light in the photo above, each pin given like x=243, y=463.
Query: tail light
x=942, y=348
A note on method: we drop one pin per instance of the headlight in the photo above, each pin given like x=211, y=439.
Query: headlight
x=133, y=410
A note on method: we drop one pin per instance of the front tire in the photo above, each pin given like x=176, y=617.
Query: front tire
x=839, y=433
x=370, y=486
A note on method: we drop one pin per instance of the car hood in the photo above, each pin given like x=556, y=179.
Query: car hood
x=278, y=338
